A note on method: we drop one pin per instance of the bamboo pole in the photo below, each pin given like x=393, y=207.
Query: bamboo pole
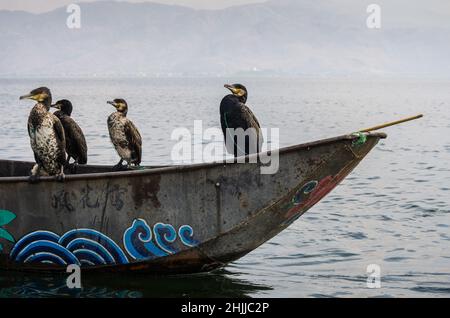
x=391, y=124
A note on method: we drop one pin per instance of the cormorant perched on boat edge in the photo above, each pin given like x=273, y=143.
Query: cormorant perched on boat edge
x=46, y=136
x=124, y=135
x=76, y=146
x=234, y=114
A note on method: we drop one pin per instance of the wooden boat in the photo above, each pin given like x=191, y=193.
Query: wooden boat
x=180, y=219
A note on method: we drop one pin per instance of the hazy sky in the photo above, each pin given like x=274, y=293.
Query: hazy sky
x=46, y=5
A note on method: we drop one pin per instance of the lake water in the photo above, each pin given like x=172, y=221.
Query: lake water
x=393, y=211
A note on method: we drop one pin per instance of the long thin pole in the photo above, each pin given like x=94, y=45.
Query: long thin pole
x=391, y=124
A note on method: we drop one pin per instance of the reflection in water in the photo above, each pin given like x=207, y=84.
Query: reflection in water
x=218, y=284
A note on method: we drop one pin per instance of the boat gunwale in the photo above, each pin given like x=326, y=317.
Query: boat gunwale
x=185, y=168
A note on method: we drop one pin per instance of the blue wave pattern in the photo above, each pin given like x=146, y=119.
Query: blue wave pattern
x=84, y=247
x=87, y=247
x=141, y=242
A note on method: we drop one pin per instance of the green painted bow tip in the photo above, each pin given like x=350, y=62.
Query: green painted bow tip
x=361, y=139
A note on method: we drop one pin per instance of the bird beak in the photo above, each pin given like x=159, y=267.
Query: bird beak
x=112, y=103
x=57, y=106
x=231, y=88
x=27, y=96
x=236, y=91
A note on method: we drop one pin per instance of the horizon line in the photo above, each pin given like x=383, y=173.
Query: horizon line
x=141, y=2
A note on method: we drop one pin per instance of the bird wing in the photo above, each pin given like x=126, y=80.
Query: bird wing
x=244, y=118
x=235, y=119
x=29, y=127
x=32, y=135
x=75, y=136
x=134, y=140
x=253, y=123
x=61, y=139
x=59, y=129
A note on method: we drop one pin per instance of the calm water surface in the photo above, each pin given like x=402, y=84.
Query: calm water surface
x=394, y=210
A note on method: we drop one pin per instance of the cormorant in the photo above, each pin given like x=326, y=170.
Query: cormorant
x=76, y=147
x=46, y=136
x=124, y=135
x=235, y=114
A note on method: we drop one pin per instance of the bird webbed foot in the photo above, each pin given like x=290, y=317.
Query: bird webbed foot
x=61, y=176
x=35, y=174
x=120, y=167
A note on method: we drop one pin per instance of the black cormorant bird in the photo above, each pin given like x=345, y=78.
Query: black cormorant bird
x=235, y=114
x=76, y=146
x=124, y=135
x=46, y=136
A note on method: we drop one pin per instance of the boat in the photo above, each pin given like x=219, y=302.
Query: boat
x=168, y=219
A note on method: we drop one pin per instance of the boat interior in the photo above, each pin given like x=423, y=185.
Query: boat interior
x=10, y=168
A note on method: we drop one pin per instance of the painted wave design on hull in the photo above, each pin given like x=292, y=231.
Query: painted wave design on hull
x=87, y=247
x=141, y=242
x=84, y=247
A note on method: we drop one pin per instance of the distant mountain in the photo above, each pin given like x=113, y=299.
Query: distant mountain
x=284, y=37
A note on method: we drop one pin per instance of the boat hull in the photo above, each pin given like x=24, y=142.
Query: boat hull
x=164, y=220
